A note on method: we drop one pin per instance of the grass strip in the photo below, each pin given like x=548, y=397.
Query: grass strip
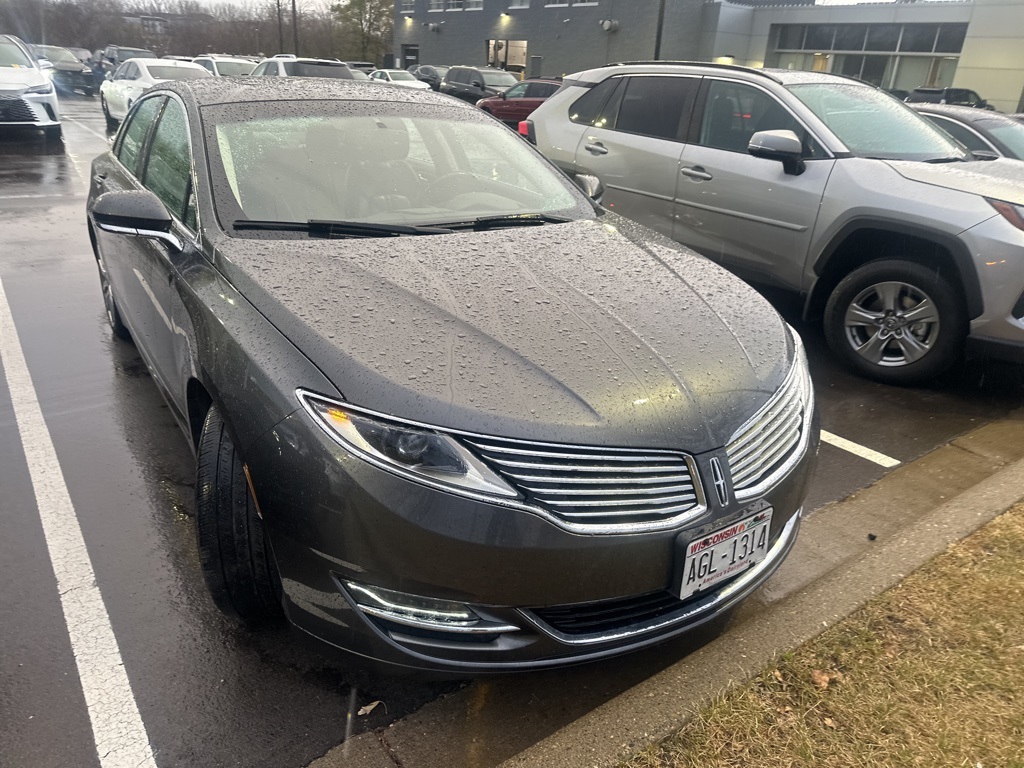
x=930, y=673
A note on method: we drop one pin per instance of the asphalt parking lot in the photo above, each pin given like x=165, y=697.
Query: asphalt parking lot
x=207, y=692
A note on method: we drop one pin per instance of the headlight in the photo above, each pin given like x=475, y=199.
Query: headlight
x=414, y=452
x=44, y=88
x=1012, y=213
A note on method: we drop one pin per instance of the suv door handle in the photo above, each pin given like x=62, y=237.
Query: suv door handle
x=696, y=172
x=597, y=148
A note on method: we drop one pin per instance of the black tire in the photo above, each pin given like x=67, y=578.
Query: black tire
x=896, y=321
x=236, y=559
x=117, y=325
x=111, y=121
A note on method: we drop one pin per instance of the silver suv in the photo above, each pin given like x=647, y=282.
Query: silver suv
x=903, y=242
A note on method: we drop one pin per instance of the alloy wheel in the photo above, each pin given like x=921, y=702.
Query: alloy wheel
x=892, y=324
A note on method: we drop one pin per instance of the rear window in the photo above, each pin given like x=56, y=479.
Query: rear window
x=235, y=68
x=317, y=69
x=499, y=79
x=177, y=73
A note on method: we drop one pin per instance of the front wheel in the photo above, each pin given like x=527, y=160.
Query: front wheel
x=111, y=120
x=897, y=322
x=236, y=559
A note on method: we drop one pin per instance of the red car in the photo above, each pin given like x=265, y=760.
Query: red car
x=520, y=100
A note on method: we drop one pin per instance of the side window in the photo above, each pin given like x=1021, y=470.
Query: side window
x=540, y=90
x=261, y=69
x=208, y=63
x=119, y=74
x=458, y=76
x=657, y=106
x=961, y=133
x=168, y=169
x=734, y=112
x=517, y=91
x=134, y=134
x=131, y=71
x=587, y=109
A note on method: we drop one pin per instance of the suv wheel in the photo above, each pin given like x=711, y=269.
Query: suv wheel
x=897, y=322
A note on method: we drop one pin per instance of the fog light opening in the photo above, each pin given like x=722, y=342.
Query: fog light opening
x=422, y=612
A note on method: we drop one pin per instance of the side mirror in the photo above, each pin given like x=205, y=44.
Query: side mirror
x=591, y=186
x=45, y=64
x=783, y=146
x=109, y=76
x=135, y=213
x=502, y=96
x=476, y=83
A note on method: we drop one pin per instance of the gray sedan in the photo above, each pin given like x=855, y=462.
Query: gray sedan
x=977, y=129
x=449, y=413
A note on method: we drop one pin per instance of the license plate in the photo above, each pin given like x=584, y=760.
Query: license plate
x=724, y=553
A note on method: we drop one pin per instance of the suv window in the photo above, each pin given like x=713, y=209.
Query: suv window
x=586, y=110
x=168, y=169
x=961, y=133
x=734, y=112
x=518, y=91
x=134, y=134
x=317, y=69
x=208, y=63
x=457, y=76
x=539, y=90
x=655, y=106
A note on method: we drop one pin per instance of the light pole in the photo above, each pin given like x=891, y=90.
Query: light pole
x=257, y=31
x=295, y=28
x=280, y=29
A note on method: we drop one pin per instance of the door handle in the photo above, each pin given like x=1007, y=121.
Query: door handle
x=696, y=172
x=596, y=148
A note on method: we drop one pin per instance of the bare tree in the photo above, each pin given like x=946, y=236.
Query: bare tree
x=369, y=24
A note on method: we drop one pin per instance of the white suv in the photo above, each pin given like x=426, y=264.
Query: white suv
x=27, y=95
x=906, y=245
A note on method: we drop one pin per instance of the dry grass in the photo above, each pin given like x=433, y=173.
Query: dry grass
x=930, y=674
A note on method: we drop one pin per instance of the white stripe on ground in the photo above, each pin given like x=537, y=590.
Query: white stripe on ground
x=33, y=197
x=85, y=127
x=858, y=450
x=121, y=740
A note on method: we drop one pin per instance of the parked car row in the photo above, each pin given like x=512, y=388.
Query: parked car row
x=27, y=93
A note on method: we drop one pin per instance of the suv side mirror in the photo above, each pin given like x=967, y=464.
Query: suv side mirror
x=783, y=146
x=44, y=63
x=135, y=213
x=476, y=83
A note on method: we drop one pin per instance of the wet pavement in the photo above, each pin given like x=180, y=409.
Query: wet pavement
x=209, y=693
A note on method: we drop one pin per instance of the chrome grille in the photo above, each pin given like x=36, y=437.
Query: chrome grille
x=761, y=450
x=597, y=488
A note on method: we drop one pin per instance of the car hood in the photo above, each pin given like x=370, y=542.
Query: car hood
x=1001, y=179
x=590, y=332
x=20, y=78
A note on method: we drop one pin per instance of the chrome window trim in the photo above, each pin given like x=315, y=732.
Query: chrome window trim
x=669, y=523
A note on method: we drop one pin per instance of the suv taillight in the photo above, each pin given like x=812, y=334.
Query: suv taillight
x=527, y=132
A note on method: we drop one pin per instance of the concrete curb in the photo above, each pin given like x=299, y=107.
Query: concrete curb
x=662, y=704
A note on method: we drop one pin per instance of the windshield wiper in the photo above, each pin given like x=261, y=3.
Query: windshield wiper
x=949, y=159
x=510, y=220
x=329, y=229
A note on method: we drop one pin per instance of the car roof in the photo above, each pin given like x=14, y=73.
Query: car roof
x=228, y=59
x=165, y=63
x=229, y=90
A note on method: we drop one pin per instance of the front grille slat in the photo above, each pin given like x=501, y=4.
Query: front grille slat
x=594, y=488
x=610, y=615
x=16, y=110
x=758, y=453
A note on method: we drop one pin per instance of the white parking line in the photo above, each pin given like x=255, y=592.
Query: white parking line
x=117, y=727
x=85, y=127
x=858, y=450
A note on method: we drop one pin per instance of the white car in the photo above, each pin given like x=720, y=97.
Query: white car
x=27, y=95
x=398, y=77
x=134, y=76
x=225, y=66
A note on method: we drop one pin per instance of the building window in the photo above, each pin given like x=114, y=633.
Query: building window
x=519, y=4
x=408, y=6
x=436, y=5
x=455, y=5
x=889, y=38
x=474, y=5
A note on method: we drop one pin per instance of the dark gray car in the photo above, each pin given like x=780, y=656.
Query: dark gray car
x=977, y=129
x=448, y=413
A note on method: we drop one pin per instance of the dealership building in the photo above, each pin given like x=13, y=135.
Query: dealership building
x=976, y=44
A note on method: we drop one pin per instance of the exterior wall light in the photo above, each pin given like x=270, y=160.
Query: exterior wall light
x=609, y=25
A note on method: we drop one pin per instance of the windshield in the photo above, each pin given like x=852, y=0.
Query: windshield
x=380, y=163
x=55, y=54
x=11, y=55
x=499, y=79
x=317, y=69
x=123, y=54
x=871, y=123
x=397, y=74
x=158, y=72
x=235, y=68
x=1009, y=133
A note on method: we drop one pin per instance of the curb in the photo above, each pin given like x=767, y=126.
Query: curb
x=662, y=704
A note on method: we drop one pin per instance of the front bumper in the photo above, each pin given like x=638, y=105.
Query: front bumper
x=333, y=519
x=998, y=249
x=37, y=109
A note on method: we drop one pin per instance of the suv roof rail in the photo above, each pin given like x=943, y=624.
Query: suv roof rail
x=734, y=67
